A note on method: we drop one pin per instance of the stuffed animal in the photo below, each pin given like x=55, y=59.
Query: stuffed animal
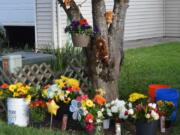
x=67, y=3
x=109, y=17
x=102, y=53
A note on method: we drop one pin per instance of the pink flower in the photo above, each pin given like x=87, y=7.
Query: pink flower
x=89, y=127
x=89, y=118
x=82, y=97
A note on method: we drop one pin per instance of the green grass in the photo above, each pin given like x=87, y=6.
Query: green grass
x=14, y=130
x=142, y=66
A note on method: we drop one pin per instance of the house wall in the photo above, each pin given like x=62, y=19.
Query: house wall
x=145, y=19
x=17, y=12
x=44, y=23
x=172, y=18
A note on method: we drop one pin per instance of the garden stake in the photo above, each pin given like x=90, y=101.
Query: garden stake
x=51, y=121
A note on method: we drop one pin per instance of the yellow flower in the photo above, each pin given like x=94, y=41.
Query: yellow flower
x=136, y=96
x=170, y=103
x=64, y=78
x=12, y=87
x=16, y=94
x=44, y=93
x=89, y=103
x=19, y=84
x=1, y=93
x=67, y=100
x=73, y=82
x=28, y=99
x=160, y=103
x=83, y=102
x=100, y=91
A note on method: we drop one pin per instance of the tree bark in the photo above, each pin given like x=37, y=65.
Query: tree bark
x=103, y=75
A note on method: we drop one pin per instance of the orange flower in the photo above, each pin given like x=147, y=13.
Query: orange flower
x=4, y=86
x=83, y=22
x=98, y=99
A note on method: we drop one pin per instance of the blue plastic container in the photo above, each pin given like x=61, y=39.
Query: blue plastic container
x=169, y=94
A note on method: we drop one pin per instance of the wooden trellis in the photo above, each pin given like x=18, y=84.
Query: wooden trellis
x=34, y=75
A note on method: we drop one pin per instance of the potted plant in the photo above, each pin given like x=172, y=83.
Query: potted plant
x=145, y=114
x=166, y=109
x=118, y=110
x=80, y=31
x=18, y=97
x=38, y=111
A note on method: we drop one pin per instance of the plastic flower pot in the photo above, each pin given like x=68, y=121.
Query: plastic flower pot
x=80, y=40
x=153, y=88
x=146, y=128
x=17, y=112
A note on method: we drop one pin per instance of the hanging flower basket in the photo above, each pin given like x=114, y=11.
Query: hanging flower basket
x=80, y=40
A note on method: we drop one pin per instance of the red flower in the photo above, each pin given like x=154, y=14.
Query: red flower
x=98, y=99
x=89, y=118
x=4, y=86
x=82, y=97
x=89, y=127
x=83, y=22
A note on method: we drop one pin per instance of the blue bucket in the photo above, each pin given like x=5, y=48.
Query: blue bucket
x=169, y=94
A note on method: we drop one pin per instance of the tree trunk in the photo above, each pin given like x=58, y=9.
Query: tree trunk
x=104, y=75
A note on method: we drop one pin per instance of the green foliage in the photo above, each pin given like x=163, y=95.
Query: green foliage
x=3, y=38
x=64, y=57
x=38, y=114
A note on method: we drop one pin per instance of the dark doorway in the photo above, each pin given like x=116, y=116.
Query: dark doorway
x=21, y=37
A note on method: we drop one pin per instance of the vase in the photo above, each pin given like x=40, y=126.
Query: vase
x=17, y=112
x=162, y=124
x=80, y=40
x=146, y=128
x=106, y=123
x=117, y=129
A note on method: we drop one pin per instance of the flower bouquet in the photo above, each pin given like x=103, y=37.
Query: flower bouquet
x=18, y=97
x=80, y=31
x=166, y=109
x=63, y=91
x=145, y=114
x=89, y=112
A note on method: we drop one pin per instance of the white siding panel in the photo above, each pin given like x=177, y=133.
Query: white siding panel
x=144, y=19
x=17, y=12
x=44, y=23
x=172, y=18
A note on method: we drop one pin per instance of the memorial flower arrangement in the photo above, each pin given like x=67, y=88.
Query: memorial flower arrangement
x=38, y=111
x=166, y=108
x=63, y=90
x=79, y=27
x=87, y=111
x=16, y=90
x=143, y=110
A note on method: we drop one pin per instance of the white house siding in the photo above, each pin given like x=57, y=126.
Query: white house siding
x=45, y=23
x=144, y=18
x=17, y=12
x=172, y=18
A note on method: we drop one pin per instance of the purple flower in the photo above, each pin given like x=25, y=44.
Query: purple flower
x=75, y=24
x=96, y=29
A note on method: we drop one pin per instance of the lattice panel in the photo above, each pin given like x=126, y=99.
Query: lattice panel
x=35, y=74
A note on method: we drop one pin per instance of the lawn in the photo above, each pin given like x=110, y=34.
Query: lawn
x=141, y=67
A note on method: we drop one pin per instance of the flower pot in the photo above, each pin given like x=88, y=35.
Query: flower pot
x=80, y=40
x=118, y=129
x=146, y=128
x=106, y=123
x=17, y=112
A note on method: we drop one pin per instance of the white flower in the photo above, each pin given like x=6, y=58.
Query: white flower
x=109, y=112
x=154, y=115
x=148, y=116
x=102, y=110
x=107, y=105
x=113, y=102
x=99, y=121
x=130, y=111
x=100, y=114
x=130, y=105
x=114, y=109
x=152, y=105
x=123, y=113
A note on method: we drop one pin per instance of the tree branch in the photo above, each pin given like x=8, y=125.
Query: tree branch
x=98, y=11
x=119, y=10
x=73, y=12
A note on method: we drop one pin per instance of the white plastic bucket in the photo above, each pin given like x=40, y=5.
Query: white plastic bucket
x=17, y=112
x=106, y=123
